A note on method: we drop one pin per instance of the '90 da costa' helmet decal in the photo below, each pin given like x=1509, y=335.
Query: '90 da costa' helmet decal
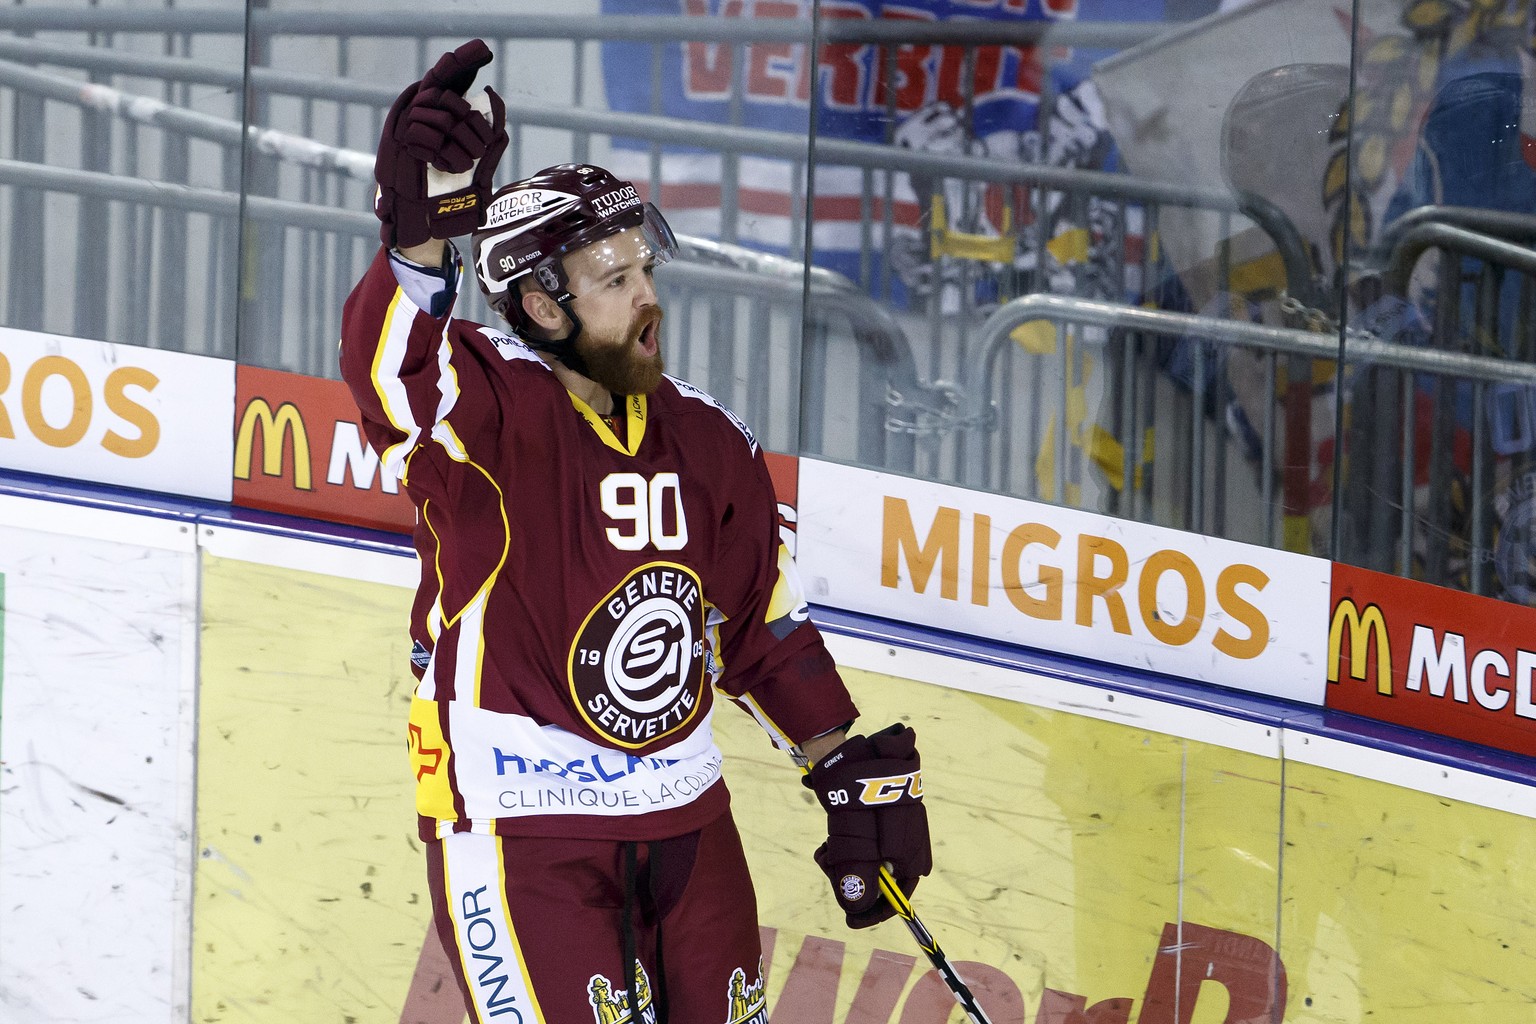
x=636, y=666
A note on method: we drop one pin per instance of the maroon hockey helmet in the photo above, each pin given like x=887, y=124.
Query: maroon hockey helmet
x=530, y=224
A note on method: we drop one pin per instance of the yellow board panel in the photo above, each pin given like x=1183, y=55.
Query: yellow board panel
x=1405, y=907
x=1088, y=871
x=1057, y=844
x=1232, y=858
x=311, y=898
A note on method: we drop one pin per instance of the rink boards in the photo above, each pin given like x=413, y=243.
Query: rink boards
x=205, y=814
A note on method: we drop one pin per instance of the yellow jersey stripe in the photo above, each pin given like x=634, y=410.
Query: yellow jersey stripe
x=635, y=416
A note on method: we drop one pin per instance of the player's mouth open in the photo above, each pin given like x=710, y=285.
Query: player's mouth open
x=650, y=337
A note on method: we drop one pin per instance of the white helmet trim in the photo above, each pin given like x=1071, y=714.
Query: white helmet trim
x=514, y=206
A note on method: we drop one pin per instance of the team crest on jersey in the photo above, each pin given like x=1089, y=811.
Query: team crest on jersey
x=636, y=666
x=748, y=1004
x=610, y=1002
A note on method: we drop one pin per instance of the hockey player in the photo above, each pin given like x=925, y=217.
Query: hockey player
x=599, y=554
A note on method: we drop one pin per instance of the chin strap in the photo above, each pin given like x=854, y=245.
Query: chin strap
x=564, y=349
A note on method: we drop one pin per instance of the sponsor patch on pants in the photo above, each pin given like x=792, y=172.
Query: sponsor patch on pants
x=610, y=1002
x=748, y=1004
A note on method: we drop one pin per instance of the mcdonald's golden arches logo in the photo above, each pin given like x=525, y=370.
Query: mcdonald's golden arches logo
x=276, y=427
x=1367, y=631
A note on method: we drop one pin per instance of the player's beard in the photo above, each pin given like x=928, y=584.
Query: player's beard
x=619, y=363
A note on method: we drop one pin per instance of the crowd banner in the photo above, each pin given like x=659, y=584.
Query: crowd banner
x=992, y=101
x=115, y=414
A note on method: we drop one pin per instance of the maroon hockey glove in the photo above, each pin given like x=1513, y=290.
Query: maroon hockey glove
x=438, y=152
x=872, y=790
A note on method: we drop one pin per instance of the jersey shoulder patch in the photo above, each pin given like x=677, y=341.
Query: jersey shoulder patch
x=698, y=394
x=510, y=346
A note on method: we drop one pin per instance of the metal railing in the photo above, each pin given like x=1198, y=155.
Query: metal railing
x=847, y=392
x=1463, y=447
x=1388, y=524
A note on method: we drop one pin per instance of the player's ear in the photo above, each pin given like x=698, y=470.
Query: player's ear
x=543, y=311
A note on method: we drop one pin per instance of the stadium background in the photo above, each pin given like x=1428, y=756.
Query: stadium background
x=1203, y=518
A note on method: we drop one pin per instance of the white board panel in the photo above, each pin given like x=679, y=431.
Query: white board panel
x=97, y=684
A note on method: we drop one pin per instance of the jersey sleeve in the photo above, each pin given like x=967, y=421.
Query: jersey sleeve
x=426, y=405
x=397, y=359
x=776, y=664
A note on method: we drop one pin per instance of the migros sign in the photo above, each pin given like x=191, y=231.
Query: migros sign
x=74, y=410
x=1064, y=580
x=116, y=414
x=1085, y=579
x=1433, y=659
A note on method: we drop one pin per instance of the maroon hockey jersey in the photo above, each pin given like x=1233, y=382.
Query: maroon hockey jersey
x=583, y=591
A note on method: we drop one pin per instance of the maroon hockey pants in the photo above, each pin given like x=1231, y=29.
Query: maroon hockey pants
x=535, y=928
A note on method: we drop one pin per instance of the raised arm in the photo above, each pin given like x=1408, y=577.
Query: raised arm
x=436, y=156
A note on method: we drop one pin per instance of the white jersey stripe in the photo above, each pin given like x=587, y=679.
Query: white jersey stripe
x=471, y=648
x=447, y=380
x=387, y=362
x=778, y=736
x=475, y=885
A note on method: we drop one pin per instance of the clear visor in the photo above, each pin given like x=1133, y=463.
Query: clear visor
x=658, y=235
x=650, y=243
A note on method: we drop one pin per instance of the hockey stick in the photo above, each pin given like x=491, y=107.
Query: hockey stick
x=930, y=947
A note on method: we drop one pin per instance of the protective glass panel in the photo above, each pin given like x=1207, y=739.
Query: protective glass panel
x=711, y=123
x=1074, y=266
x=319, y=93
x=120, y=139
x=1440, y=422
x=696, y=103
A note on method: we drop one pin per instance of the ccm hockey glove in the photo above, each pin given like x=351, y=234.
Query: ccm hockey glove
x=872, y=790
x=438, y=152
